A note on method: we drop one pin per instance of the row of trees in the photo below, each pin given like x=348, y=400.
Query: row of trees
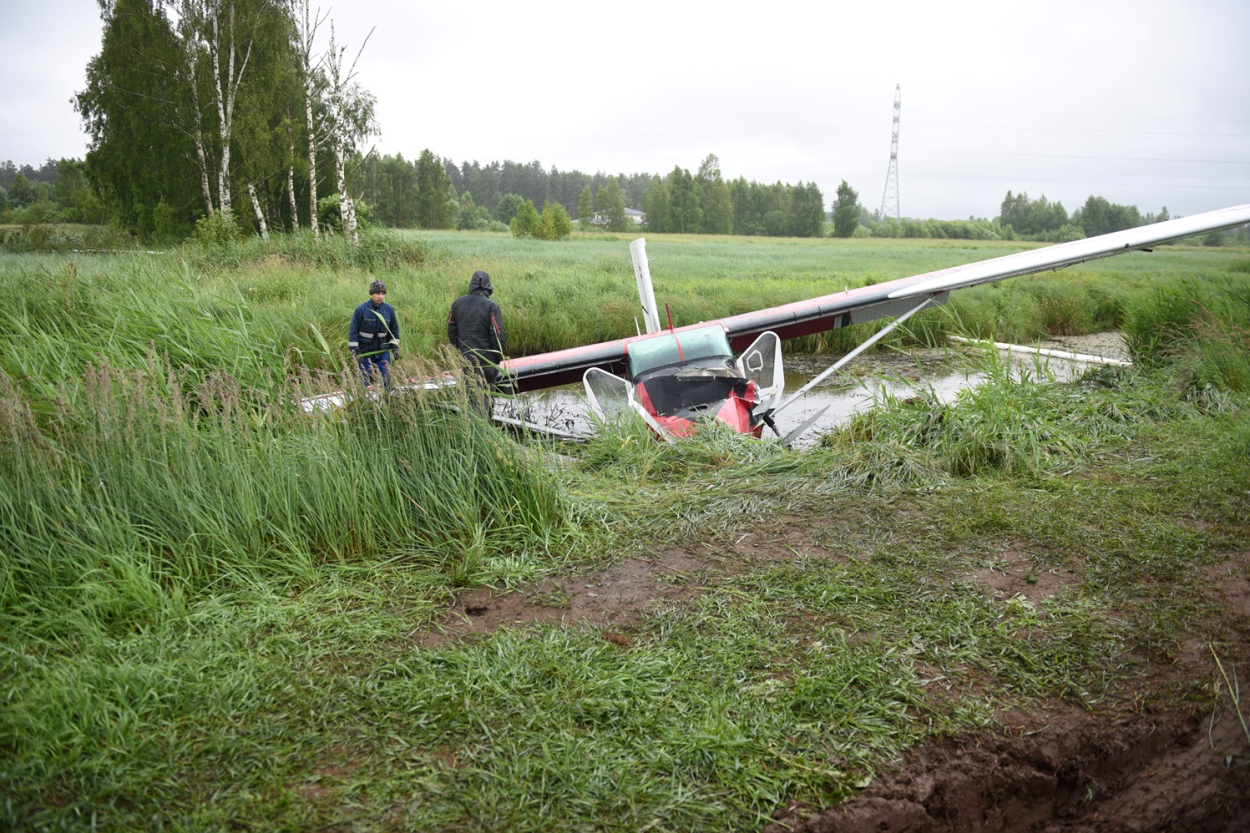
x=426, y=194
x=1049, y=221
x=682, y=202
x=489, y=183
x=195, y=105
x=10, y=172
x=435, y=193
x=58, y=192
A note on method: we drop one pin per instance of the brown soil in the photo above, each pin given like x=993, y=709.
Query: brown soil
x=1130, y=768
x=1011, y=575
x=613, y=598
x=1069, y=772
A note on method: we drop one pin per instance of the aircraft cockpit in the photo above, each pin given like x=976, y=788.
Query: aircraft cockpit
x=704, y=351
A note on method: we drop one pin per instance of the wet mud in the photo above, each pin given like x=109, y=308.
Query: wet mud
x=1063, y=772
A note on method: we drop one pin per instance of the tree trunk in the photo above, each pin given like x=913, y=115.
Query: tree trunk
x=347, y=209
x=202, y=157
x=307, y=36
x=223, y=173
x=227, y=90
x=290, y=184
x=260, y=215
x=312, y=158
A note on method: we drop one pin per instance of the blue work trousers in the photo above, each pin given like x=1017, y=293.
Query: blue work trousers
x=379, y=364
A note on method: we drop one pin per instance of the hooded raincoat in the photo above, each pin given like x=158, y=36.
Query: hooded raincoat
x=475, y=327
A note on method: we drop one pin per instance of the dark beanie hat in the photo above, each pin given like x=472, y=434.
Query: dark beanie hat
x=377, y=286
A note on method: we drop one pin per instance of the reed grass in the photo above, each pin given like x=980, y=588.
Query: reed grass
x=1200, y=327
x=1015, y=420
x=150, y=489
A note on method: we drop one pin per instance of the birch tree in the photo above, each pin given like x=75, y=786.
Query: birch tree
x=210, y=34
x=290, y=182
x=190, y=102
x=188, y=33
x=310, y=68
x=349, y=116
x=260, y=215
x=226, y=88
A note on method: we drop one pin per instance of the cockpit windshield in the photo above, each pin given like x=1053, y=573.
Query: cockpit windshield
x=668, y=349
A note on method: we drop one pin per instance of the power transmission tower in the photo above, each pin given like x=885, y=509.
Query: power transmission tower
x=889, y=199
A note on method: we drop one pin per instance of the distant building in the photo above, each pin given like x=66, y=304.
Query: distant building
x=630, y=214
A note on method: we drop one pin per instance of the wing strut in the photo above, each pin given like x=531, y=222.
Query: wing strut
x=877, y=336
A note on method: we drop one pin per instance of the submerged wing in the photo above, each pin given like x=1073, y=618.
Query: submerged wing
x=883, y=300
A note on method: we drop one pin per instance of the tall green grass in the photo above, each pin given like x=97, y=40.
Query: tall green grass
x=1016, y=421
x=256, y=306
x=147, y=489
x=1200, y=328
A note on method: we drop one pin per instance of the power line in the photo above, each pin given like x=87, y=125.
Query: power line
x=1099, y=158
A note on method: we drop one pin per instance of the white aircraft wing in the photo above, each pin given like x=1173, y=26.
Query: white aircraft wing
x=1078, y=251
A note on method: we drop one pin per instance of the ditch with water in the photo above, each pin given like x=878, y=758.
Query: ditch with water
x=899, y=373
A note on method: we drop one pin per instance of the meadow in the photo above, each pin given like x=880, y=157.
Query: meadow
x=218, y=611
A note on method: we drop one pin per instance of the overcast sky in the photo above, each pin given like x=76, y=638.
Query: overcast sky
x=1145, y=102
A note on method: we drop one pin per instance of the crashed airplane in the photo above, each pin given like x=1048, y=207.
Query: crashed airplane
x=676, y=377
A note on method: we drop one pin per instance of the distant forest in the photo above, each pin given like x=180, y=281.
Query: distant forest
x=698, y=203
x=390, y=194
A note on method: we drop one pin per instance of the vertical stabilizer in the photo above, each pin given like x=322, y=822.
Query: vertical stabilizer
x=646, y=295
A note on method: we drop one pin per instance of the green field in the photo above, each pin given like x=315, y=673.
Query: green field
x=216, y=611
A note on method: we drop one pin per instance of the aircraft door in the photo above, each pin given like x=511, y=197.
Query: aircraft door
x=608, y=395
x=761, y=363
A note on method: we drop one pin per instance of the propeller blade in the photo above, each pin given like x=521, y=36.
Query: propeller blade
x=802, y=429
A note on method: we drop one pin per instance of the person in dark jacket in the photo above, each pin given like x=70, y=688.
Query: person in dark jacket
x=374, y=334
x=475, y=327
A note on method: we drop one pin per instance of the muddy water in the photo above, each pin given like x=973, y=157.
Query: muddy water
x=856, y=387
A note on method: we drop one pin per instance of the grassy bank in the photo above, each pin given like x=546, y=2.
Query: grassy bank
x=254, y=307
x=218, y=611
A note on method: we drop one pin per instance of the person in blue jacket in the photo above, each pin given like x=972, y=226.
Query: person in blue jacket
x=374, y=335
